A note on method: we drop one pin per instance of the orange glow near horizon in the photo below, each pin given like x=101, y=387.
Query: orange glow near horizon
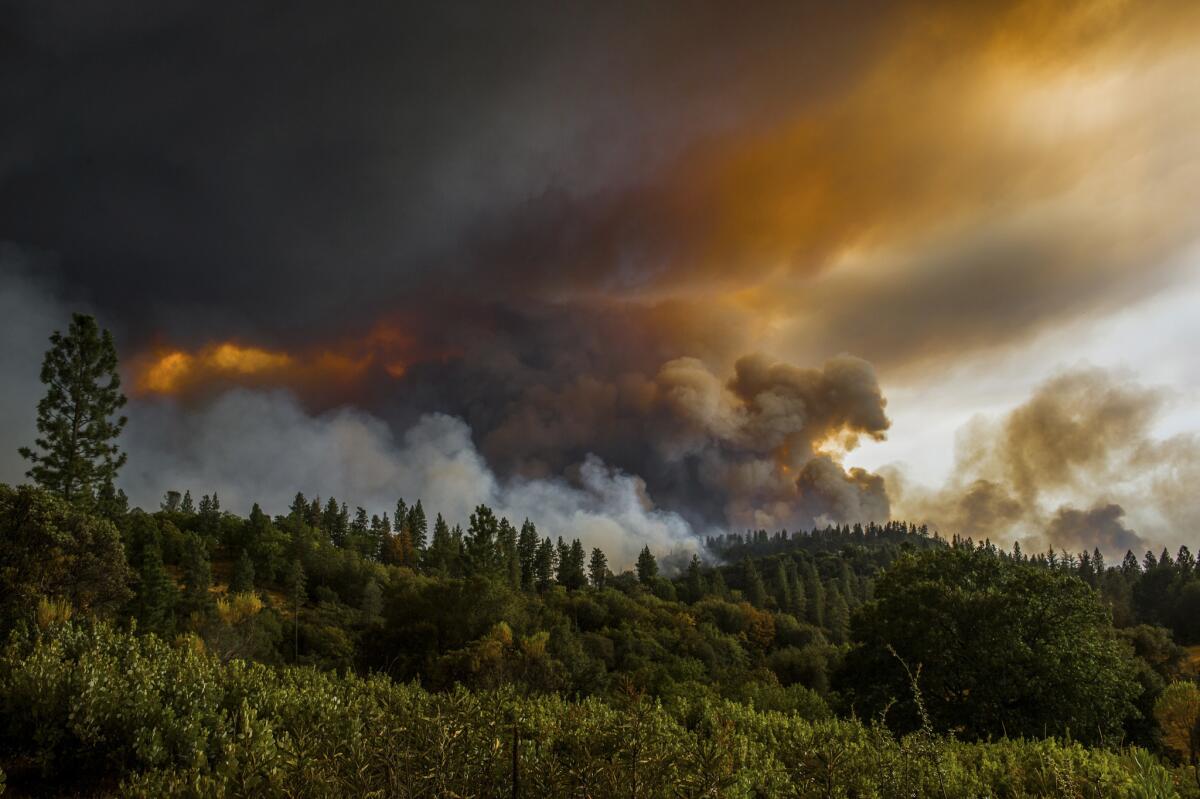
x=176, y=371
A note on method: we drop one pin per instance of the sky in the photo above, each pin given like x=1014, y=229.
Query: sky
x=641, y=272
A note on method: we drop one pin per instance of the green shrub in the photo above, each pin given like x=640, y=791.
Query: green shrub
x=88, y=700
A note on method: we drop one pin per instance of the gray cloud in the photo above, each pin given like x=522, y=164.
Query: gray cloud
x=1076, y=530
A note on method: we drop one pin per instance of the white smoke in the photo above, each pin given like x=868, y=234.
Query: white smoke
x=259, y=446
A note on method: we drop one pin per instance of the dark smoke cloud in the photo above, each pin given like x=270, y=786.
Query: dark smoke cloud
x=194, y=160
x=1075, y=530
x=743, y=448
x=587, y=216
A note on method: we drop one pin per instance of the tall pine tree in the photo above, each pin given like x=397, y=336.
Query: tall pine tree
x=647, y=566
x=197, y=578
x=242, y=581
x=418, y=526
x=527, y=547
x=75, y=454
x=598, y=568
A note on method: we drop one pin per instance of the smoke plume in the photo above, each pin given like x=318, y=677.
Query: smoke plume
x=1065, y=469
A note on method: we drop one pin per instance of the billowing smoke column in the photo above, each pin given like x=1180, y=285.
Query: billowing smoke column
x=750, y=446
x=756, y=449
x=756, y=439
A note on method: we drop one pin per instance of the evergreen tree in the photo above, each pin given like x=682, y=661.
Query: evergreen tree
x=418, y=526
x=401, y=514
x=111, y=503
x=510, y=558
x=562, y=552
x=377, y=536
x=267, y=545
x=361, y=525
x=299, y=507
x=197, y=577
x=783, y=587
x=756, y=591
x=527, y=548
x=442, y=551
x=187, y=506
x=695, y=580
x=479, y=548
x=1185, y=562
x=210, y=515
x=799, y=607
x=814, y=594
x=294, y=581
x=647, y=566
x=1129, y=566
x=837, y=614
x=242, y=581
x=156, y=593
x=573, y=576
x=598, y=568
x=342, y=531
x=544, y=565
x=75, y=454
x=456, y=546
x=719, y=589
x=312, y=516
x=848, y=584
x=329, y=522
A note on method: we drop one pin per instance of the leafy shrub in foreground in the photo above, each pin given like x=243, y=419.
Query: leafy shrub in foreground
x=79, y=698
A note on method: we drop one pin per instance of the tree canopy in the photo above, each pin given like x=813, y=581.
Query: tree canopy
x=997, y=647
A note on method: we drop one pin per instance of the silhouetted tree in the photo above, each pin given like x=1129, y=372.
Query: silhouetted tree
x=76, y=454
x=647, y=566
x=598, y=568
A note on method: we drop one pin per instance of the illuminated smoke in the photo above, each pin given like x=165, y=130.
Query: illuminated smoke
x=1075, y=466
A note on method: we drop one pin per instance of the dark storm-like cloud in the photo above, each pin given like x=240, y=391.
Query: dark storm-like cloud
x=571, y=226
x=744, y=447
x=253, y=164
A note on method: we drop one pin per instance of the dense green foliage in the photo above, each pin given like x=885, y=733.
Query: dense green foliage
x=757, y=657
x=107, y=708
x=50, y=548
x=1004, y=648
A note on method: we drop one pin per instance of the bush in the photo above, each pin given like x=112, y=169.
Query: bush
x=85, y=699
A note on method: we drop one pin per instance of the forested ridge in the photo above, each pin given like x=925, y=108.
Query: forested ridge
x=325, y=651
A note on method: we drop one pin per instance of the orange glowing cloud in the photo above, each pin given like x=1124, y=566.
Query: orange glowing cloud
x=328, y=370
